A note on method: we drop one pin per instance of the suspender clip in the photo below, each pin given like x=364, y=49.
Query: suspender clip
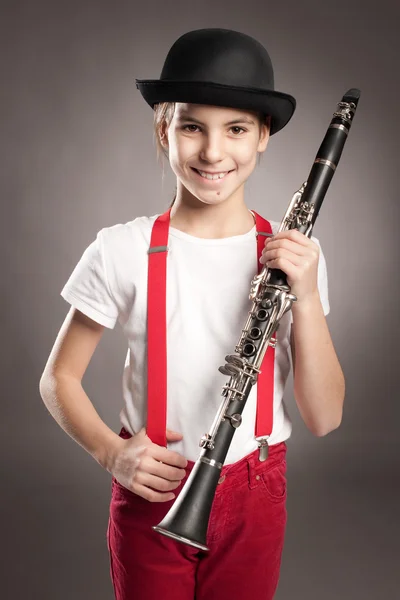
x=262, y=448
x=157, y=249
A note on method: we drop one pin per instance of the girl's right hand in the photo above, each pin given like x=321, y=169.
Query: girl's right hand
x=146, y=469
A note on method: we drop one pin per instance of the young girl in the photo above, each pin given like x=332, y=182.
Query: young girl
x=179, y=283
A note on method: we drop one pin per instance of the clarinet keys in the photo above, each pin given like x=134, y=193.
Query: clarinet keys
x=234, y=367
x=272, y=342
x=207, y=441
x=235, y=420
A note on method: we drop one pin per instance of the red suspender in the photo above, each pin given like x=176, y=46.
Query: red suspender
x=265, y=381
x=157, y=332
x=157, y=338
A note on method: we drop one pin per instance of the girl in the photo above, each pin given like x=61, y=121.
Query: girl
x=178, y=283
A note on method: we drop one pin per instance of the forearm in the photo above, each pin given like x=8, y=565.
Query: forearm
x=70, y=406
x=319, y=385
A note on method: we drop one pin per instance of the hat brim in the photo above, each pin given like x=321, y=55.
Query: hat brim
x=279, y=105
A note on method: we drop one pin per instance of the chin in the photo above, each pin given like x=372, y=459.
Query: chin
x=211, y=201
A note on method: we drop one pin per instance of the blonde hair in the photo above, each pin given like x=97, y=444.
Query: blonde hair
x=163, y=114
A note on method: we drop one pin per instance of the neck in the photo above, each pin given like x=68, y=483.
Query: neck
x=212, y=221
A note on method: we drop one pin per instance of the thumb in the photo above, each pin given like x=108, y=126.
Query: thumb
x=173, y=436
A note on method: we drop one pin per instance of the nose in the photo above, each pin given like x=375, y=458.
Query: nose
x=212, y=150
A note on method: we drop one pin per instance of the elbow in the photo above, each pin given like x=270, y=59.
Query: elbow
x=322, y=429
x=322, y=432
x=47, y=386
x=43, y=385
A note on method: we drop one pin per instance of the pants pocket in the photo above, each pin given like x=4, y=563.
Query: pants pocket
x=273, y=482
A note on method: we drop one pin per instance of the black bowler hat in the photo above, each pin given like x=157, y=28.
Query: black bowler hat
x=220, y=67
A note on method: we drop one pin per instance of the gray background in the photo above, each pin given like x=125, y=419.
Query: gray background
x=77, y=154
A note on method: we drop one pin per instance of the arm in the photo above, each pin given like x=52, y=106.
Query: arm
x=319, y=385
x=62, y=392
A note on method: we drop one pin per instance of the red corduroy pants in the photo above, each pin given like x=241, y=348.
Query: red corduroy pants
x=245, y=538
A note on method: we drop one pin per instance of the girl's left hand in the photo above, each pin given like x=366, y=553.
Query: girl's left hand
x=297, y=256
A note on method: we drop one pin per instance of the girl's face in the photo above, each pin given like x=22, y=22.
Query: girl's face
x=213, y=150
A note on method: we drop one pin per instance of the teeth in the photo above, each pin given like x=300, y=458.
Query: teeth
x=214, y=176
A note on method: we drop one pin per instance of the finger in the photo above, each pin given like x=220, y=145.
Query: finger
x=288, y=244
x=157, y=483
x=285, y=265
x=150, y=465
x=151, y=495
x=273, y=254
x=295, y=236
x=168, y=457
x=173, y=435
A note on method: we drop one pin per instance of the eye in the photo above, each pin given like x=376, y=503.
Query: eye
x=238, y=130
x=184, y=128
x=236, y=127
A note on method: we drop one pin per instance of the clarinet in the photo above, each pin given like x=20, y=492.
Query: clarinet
x=187, y=520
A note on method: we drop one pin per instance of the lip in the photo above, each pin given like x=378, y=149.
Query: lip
x=211, y=181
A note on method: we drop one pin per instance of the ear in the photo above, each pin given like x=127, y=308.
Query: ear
x=164, y=135
x=264, y=139
x=264, y=136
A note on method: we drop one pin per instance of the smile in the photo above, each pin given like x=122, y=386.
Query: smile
x=211, y=176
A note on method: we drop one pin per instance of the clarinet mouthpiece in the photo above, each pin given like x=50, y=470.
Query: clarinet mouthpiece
x=352, y=95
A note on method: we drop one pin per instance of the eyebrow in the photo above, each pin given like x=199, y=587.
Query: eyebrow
x=188, y=117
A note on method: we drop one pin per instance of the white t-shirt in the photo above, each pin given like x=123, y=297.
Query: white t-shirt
x=208, y=286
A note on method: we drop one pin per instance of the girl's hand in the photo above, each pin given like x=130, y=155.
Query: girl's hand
x=297, y=256
x=146, y=469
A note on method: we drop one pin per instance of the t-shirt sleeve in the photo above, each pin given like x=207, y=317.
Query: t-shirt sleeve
x=322, y=280
x=87, y=288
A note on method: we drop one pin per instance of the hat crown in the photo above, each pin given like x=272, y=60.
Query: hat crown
x=220, y=67
x=220, y=56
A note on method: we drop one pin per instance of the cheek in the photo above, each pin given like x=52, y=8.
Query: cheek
x=247, y=155
x=180, y=153
x=175, y=160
